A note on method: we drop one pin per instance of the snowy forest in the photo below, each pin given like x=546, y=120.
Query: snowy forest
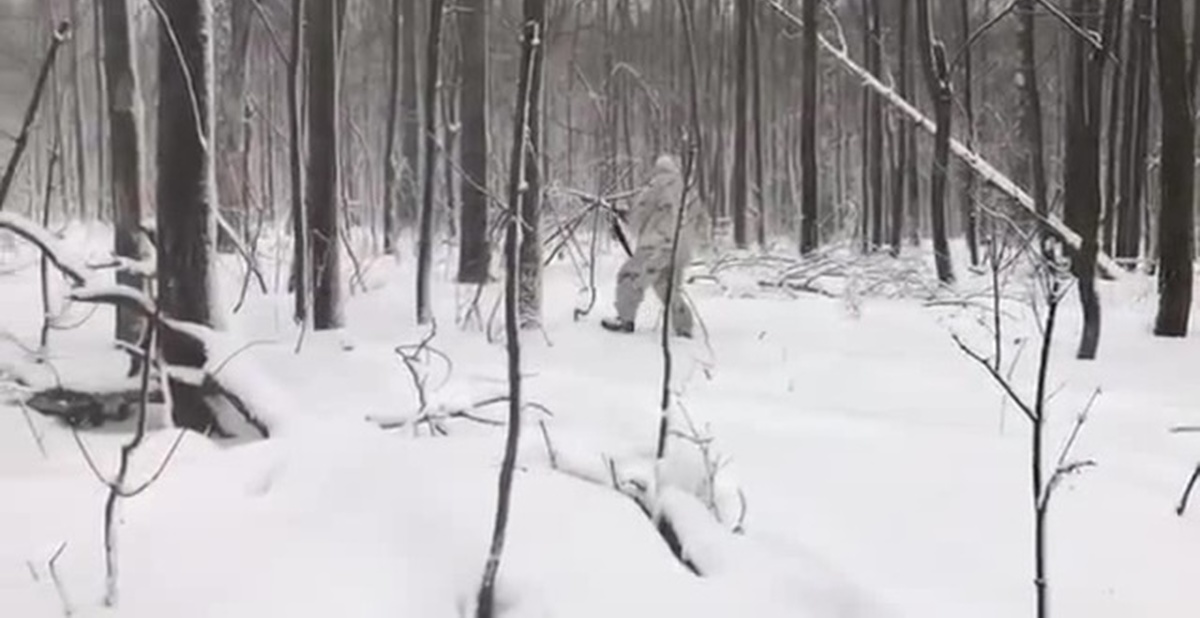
x=571, y=308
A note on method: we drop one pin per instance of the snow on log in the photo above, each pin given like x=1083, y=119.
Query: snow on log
x=985, y=170
x=250, y=393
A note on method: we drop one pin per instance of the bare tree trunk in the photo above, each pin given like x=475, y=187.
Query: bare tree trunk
x=1118, y=89
x=874, y=132
x=903, y=134
x=103, y=173
x=1136, y=132
x=474, y=257
x=389, y=140
x=530, y=306
x=425, y=235
x=186, y=195
x=81, y=147
x=410, y=115
x=809, y=223
x=1031, y=161
x=323, y=170
x=125, y=118
x=741, y=121
x=757, y=105
x=533, y=38
x=937, y=78
x=301, y=254
x=1176, y=214
x=970, y=212
x=232, y=121
x=1081, y=182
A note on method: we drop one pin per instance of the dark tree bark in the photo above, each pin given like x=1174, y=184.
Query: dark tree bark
x=903, y=133
x=873, y=193
x=531, y=197
x=300, y=251
x=186, y=194
x=1136, y=132
x=389, y=140
x=741, y=142
x=103, y=171
x=81, y=145
x=937, y=78
x=124, y=101
x=232, y=121
x=410, y=114
x=1176, y=215
x=1081, y=181
x=1031, y=161
x=425, y=235
x=760, y=202
x=1118, y=88
x=474, y=251
x=809, y=223
x=970, y=212
x=323, y=171
x=532, y=41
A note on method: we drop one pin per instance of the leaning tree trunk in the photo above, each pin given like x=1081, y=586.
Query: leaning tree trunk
x=937, y=78
x=1176, y=216
x=809, y=223
x=474, y=257
x=124, y=101
x=323, y=171
x=186, y=195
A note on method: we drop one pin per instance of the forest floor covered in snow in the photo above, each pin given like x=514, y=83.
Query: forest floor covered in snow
x=882, y=473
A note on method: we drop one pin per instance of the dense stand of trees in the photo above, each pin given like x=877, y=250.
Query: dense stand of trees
x=366, y=126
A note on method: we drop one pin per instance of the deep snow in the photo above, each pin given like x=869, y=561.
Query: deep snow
x=882, y=475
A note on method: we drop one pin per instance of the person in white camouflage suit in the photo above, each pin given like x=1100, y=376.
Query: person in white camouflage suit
x=652, y=219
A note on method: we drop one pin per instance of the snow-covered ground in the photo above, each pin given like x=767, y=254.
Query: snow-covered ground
x=882, y=475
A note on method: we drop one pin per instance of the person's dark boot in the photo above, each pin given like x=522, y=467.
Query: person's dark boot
x=617, y=325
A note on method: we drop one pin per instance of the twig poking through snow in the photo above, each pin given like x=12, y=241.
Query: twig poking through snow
x=1187, y=492
x=52, y=566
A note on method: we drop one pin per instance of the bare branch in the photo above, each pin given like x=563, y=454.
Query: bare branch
x=997, y=378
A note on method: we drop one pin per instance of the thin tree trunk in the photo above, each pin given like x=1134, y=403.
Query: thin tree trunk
x=809, y=238
x=875, y=162
x=757, y=104
x=425, y=235
x=301, y=253
x=903, y=135
x=1176, y=212
x=741, y=121
x=81, y=147
x=323, y=169
x=103, y=173
x=389, y=140
x=1136, y=133
x=530, y=306
x=970, y=212
x=938, y=80
x=125, y=114
x=1118, y=88
x=532, y=36
x=410, y=114
x=474, y=257
x=1031, y=161
x=232, y=122
x=186, y=195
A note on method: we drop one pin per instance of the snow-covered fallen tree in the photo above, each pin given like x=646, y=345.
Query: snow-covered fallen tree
x=247, y=394
x=986, y=171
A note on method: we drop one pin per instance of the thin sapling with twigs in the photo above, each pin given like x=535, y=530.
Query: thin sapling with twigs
x=1050, y=277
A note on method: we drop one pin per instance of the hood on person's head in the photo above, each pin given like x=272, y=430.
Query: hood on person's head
x=666, y=164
